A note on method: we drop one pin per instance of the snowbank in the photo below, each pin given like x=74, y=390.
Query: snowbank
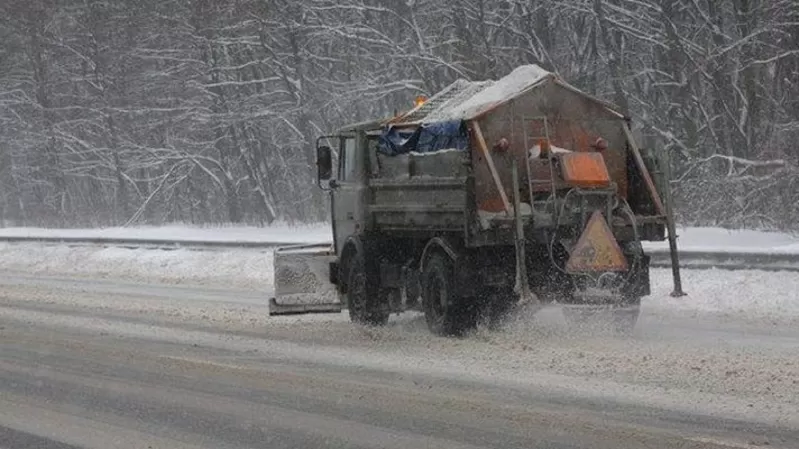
x=750, y=294
x=275, y=233
x=725, y=240
x=238, y=268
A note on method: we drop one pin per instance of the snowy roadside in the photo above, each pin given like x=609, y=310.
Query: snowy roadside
x=236, y=268
x=733, y=241
x=771, y=296
x=312, y=233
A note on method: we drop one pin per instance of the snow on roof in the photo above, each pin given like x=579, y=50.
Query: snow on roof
x=487, y=94
x=455, y=93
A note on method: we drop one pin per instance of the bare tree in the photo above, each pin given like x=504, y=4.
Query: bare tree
x=116, y=112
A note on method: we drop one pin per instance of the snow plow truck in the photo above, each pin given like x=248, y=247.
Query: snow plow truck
x=487, y=197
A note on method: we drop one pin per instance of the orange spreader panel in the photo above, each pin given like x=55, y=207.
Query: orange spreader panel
x=585, y=169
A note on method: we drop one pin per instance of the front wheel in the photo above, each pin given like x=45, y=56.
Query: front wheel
x=446, y=312
x=363, y=298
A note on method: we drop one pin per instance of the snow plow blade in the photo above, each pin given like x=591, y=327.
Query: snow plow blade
x=299, y=309
x=302, y=281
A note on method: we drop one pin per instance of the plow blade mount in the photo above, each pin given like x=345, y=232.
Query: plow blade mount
x=302, y=281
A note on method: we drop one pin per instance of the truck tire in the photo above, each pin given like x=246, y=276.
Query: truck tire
x=446, y=312
x=363, y=296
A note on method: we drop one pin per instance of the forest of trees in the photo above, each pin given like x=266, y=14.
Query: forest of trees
x=117, y=112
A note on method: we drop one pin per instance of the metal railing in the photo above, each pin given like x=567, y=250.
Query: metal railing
x=659, y=258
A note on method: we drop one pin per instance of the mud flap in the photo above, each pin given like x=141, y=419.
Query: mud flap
x=302, y=281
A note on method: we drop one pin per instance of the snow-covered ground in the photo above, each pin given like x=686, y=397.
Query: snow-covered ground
x=240, y=268
x=718, y=239
x=728, y=345
x=674, y=360
x=750, y=294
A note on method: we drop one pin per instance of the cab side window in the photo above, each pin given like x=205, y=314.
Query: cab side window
x=347, y=169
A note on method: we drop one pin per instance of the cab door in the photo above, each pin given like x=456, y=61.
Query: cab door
x=348, y=191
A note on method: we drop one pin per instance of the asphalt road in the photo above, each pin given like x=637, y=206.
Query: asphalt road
x=123, y=373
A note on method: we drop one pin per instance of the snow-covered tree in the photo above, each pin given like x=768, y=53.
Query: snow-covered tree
x=115, y=112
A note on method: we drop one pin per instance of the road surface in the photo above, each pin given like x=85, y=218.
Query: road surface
x=103, y=364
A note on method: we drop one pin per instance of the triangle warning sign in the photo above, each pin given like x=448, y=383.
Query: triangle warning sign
x=597, y=249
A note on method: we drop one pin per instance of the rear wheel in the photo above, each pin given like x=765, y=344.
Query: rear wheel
x=363, y=296
x=446, y=312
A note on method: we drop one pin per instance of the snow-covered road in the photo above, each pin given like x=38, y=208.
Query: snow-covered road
x=686, y=378
x=717, y=368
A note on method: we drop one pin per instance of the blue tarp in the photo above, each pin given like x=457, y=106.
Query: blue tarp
x=394, y=141
x=427, y=138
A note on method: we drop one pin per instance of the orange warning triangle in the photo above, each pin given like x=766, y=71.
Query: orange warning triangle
x=597, y=249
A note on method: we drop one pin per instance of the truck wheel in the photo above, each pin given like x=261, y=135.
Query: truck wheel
x=446, y=313
x=363, y=299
